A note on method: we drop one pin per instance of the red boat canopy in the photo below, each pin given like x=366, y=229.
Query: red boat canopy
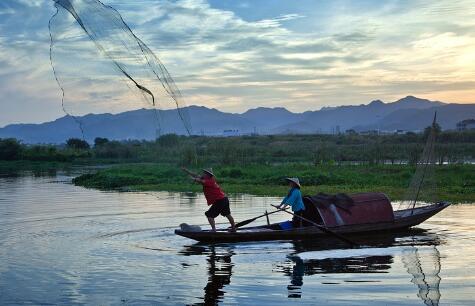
x=359, y=208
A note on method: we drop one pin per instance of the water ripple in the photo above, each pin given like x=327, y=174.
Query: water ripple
x=67, y=245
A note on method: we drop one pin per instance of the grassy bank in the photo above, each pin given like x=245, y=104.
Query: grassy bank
x=456, y=183
x=35, y=166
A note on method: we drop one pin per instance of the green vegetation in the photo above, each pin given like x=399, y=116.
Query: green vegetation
x=78, y=144
x=9, y=149
x=13, y=150
x=453, y=147
x=257, y=164
x=458, y=181
x=35, y=168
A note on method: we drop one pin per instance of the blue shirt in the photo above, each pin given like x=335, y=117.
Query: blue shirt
x=294, y=199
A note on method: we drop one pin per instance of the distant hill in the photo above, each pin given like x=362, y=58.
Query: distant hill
x=349, y=117
x=409, y=114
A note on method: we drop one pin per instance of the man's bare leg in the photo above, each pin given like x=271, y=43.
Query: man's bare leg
x=231, y=220
x=211, y=222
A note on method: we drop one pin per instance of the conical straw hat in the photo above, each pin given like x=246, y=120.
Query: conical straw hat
x=209, y=171
x=294, y=180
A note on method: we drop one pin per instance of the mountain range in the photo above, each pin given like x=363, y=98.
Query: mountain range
x=408, y=114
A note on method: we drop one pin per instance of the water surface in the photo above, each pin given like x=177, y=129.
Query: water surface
x=62, y=244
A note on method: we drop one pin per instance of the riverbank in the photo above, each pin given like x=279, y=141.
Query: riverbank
x=12, y=167
x=456, y=183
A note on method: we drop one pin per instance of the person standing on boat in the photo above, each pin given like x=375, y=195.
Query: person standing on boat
x=214, y=196
x=294, y=200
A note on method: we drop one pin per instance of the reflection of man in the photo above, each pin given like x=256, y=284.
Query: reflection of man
x=219, y=271
x=295, y=287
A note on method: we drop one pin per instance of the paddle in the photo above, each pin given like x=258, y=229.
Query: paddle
x=245, y=222
x=322, y=228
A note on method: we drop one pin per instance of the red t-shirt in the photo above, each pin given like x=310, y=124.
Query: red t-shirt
x=212, y=191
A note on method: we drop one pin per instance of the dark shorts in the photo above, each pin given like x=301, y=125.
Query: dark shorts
x=219, y=207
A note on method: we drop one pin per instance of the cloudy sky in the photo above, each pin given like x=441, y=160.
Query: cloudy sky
x=235, y=55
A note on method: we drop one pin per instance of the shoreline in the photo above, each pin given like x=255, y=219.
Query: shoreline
x=264, y=180
x=456, y=182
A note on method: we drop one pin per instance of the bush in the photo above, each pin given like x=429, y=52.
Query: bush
x=77, y=144
x=168, y=140
x=44, y=153
x=317, y=179
x=10, y=149
x=235, y=173
x=99, y=141
x=105, y=181
x=114, y=149
x=232, y=173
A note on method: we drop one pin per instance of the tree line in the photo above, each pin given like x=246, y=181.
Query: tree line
x=451, y=147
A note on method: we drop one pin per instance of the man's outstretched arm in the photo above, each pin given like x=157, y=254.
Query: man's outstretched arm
x=194, y=176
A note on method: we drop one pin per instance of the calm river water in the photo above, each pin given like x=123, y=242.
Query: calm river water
x=62, y=244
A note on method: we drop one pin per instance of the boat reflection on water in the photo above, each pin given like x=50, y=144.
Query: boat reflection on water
x=300, y=267
x=219, y=270
x=416, y=249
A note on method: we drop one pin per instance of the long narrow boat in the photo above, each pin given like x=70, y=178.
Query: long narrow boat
x=370, y=213
x=362, y=213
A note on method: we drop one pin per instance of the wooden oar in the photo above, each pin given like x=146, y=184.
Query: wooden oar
x=245, y=222
x=322, y=228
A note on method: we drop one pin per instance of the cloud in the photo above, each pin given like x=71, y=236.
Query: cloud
x=277, y=21
x=304, y=57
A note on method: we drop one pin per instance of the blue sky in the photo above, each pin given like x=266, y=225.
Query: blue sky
x=235, y=55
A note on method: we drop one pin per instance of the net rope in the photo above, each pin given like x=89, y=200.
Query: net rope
x=115, y=41
x=422, y=188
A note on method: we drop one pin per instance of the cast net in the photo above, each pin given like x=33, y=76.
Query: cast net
x=101, y=66
x=422, y=189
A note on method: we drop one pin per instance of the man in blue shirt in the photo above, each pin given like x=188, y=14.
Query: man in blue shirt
x=294, y=200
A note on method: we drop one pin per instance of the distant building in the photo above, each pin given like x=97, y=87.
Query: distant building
x=468, y=124
x=370, y=132
x=230, y=133
x=399, y=132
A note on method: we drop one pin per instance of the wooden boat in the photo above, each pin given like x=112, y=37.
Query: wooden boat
x=343, y=215
x=350, y=224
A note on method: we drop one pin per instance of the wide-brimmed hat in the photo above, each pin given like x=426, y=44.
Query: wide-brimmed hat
x=294, y=180
x=209, y=171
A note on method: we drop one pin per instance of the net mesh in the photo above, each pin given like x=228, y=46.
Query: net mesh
x=422, y=188
x=93, y=53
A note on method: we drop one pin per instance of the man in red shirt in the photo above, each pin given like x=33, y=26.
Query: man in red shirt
x=214, y=196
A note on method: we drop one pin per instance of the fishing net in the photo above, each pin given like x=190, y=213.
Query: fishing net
x=101, y=66
x=422, y=189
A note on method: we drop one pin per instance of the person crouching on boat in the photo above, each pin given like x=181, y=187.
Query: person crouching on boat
x=294, y=200
x=214, y=196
